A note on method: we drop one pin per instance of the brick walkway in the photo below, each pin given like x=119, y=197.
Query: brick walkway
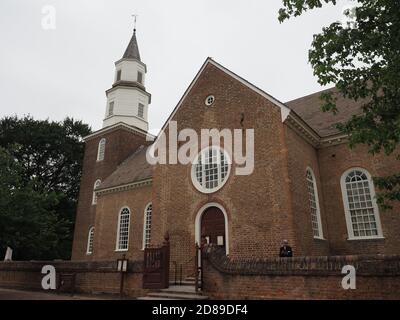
x=12, y=294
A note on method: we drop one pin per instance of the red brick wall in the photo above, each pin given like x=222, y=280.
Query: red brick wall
x=377, y=277
x=334, y=161
x=257, y=205
x=107, y=212
x=91, y=277
x=120, y=143
x=300, y=156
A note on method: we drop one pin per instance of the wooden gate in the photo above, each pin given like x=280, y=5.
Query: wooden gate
x=156, y=267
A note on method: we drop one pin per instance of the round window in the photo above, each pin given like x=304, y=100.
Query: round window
x=209, y=100
x=210, y=169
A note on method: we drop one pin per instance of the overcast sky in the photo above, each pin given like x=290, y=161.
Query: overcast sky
x=65, y=72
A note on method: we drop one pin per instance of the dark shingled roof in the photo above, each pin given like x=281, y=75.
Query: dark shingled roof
x=309, y=109
x=132, y=51
x=134, y=168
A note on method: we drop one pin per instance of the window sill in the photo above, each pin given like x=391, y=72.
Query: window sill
x=89, y=253
x=320, y=239
x=121, y=250
x=366, y=238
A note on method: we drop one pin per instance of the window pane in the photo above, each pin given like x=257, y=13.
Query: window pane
x=123, y=229
x=362, y=214
x=147, y=226
x=111, y=108
x=211, y=168
x=313, y=204
x=102, y=149
x=140, y=110
x=140, y=77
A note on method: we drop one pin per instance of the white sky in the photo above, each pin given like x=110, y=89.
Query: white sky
x=65, y=72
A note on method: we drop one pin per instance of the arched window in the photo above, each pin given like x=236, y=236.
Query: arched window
x=123, y=230
x=210, y=169
x=94, y=198
x=362, y=215
x=147, y=225
x=89, y=248
x=101, y=149
x=314, y=204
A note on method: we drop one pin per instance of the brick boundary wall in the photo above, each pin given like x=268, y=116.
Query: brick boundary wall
x=377, y=277
x=91, y=277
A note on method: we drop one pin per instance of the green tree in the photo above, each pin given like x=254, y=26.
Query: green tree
x=48, y=163
x=362, y=60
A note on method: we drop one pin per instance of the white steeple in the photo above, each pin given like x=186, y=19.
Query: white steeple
x=127, y=99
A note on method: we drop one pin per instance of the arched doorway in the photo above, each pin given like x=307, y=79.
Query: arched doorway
x=213, y=226
x=212, y=223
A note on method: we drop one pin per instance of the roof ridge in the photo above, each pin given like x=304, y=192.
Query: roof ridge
x=311, y=94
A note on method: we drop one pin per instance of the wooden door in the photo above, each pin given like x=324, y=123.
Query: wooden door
x=213, y=226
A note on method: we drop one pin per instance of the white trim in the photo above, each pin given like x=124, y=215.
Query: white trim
x=349, y=225
x=97, y=183
x=104, y=141
x=144, y=223
x=319, y=221
x=124, y=187
x=208, y=103
x=197, y=224
x=196, y=183
x=284, y=109
x=119, y=124
x=119, y=227
x=90, y=239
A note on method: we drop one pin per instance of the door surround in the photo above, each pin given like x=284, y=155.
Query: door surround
x=197, y=224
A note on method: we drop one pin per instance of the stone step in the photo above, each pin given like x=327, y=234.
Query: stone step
x=153, y=298
x=180, y=289
x=183, y=283
x=176, y=296
x=190, y=279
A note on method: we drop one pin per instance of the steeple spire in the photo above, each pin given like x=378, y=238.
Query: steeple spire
x=132, y=51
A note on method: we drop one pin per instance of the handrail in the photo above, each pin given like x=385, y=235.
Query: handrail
x=199, y=269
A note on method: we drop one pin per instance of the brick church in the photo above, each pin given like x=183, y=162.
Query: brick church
x=307, y=186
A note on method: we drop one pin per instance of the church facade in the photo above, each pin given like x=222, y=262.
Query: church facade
x=307, y=186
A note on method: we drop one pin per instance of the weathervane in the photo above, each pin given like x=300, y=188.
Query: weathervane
x=134, y=24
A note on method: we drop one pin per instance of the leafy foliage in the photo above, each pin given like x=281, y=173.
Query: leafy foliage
x=363, y=61
x=39, y=181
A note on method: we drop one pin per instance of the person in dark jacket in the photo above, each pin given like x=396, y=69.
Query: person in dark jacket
x=286, y=250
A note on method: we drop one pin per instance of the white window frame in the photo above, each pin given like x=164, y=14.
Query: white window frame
x=318, y=213
x=117, y=248
x=146, y=212
x=101, y=151
x=140, y=110
x=111, y=110
x=89, y=246
x=116, y=75
x=94, y=198
x=349, y=224
x=221, y=183
x=141, y=73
